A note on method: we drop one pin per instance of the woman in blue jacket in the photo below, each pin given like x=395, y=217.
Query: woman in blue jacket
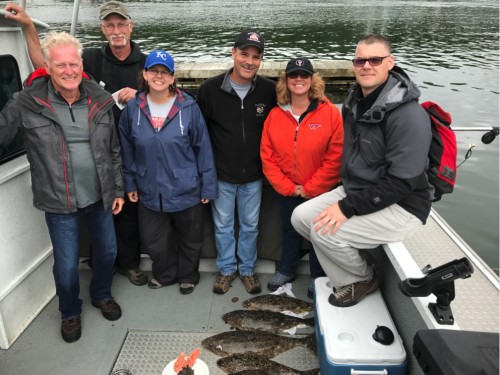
x=169, y=169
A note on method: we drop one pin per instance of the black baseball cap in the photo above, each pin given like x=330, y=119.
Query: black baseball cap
x=301, y=64
x=249, y=38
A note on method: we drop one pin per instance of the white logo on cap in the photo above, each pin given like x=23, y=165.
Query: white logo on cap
x=254, y=37
x=299, y=62
x=162, y=55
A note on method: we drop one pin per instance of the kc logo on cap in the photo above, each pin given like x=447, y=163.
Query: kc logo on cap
x=160, y=57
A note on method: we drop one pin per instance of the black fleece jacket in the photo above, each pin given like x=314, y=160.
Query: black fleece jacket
x=235, y=125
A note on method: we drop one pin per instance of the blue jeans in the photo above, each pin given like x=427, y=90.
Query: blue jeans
x=247, y=199
x=292, y=241
x=64, y=234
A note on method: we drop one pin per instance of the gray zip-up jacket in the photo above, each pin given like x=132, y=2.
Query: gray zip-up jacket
x=385, y=151
x=31, y=112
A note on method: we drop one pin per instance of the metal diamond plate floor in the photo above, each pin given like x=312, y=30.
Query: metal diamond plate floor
x=148, y=352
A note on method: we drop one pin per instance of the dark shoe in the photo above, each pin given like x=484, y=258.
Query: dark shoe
x=109, y=308
x=136, y=276
x=186, y=288
x=278, y=280
x=310, y=289
x=251, y=283
x=71, y=329
x=155, y=284
x=350, y=295
x=223, y=283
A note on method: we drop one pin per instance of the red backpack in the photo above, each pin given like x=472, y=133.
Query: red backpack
x=442, y=171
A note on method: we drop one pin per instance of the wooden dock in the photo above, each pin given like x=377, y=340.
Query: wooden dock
x=192, y=73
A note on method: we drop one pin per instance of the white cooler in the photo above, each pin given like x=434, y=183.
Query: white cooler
x=344, y=336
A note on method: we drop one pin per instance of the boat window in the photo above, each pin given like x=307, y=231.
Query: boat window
x=10, y=83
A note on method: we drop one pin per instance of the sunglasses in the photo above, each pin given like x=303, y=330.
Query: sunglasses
x=374, y=61
x=302, y=75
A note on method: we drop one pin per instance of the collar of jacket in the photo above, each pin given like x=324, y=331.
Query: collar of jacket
x=42, y=73
x=226, y=83
x=398, y=90
x=134, y=57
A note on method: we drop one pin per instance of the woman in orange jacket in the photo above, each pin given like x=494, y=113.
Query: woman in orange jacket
x=301, y=151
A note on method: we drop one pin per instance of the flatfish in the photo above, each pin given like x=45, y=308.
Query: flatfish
x=264, y=320
x=263, y=343
x=278, y=303
x=237, y=363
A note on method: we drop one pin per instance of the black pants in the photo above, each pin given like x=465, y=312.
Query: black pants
x=174, y=241
x=127, y=236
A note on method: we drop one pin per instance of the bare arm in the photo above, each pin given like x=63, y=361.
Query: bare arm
x=17, y=13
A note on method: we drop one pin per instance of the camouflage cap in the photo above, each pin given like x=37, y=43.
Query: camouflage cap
x=111, y=7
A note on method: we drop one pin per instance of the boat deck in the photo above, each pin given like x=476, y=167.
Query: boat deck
x=41, y=350
x=165, y=316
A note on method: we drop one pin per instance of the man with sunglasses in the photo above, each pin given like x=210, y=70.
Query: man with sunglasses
x=115, y=66
x=385, y=193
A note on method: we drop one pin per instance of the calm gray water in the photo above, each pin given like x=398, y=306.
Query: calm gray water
x=449, y=48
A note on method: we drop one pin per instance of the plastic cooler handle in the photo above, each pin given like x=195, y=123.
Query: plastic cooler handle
x=368, y=372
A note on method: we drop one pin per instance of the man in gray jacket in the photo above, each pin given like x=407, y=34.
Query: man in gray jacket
x=115, y=67
x=385, y=193
x=72, y=146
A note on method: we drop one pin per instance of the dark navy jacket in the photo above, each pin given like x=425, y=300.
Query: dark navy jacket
x=172, y=168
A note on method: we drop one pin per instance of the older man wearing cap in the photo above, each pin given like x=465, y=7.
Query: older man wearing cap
x=301, y=153
x=235, y=105
x=115, y=66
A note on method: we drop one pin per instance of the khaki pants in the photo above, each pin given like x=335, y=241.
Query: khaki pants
x=338, y=254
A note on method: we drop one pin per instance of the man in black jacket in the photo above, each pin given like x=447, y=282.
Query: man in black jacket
x=235, y=105
x=115, y=66
x=385, y=193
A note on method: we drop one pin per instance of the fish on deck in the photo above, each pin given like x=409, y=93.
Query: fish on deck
x=263, y=343
x=278, y=303
x=264, y=320
x=237, y=363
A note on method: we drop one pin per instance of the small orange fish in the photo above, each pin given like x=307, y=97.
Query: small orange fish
x=184, y=360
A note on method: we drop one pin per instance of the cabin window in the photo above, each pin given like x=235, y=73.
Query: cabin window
x=10, y=83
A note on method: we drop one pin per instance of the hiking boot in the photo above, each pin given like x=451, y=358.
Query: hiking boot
x=136, y=276
x=71, y=329
x=310, y=289
x=251, y=283
x=109, y=308
x=223, y=283
x=278, y=280
x=351, y=294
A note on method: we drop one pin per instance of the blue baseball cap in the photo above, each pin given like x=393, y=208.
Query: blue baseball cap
x=160, y=57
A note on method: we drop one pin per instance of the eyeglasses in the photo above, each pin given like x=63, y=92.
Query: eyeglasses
x=162, y=73
x=302, y=75
x=119, y=26
x=374, y=61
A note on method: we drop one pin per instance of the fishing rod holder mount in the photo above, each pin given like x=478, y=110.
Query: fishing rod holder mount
x=440, y=282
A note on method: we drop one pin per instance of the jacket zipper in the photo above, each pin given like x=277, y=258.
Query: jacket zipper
x=65, y=169
x=295, y=152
